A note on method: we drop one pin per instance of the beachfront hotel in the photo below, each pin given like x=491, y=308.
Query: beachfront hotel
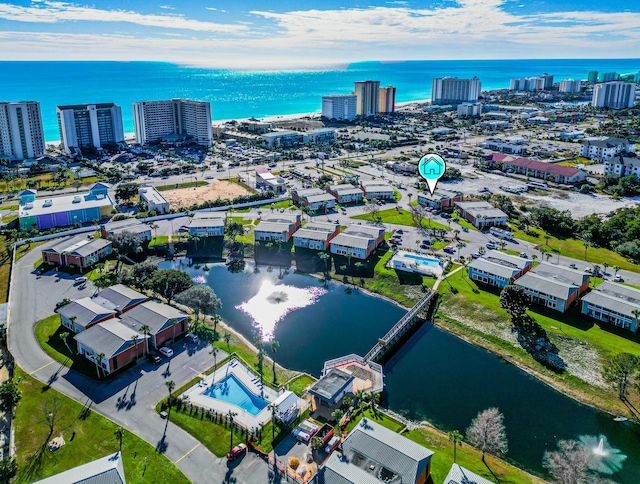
x=451, y=90
x=187, y=119
x=613, y=95
x=570, y=85
x=368, y=97
x=89, y=126
x=387, y=99
x=21, y=133
x=340, y=107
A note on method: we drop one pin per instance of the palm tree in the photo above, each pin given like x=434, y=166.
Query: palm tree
x=214, y=352
x=119, y=433
x=605, y=265
x=98, y=359
x=596, y=269
x=534, y=257
x=586, y=246
x=274, y=349
x=170, y=386
x=154, y=227
x=372, y=399
x=456, y=438
x=615, y=270
x=325, y=257
x=230, y=416
x=459, y=246
x=337, y=415
x=272, y=407
x=636, y=314
x=456, y=233
x=174, y=322
x=502, y=244
x=134, y=340
x=227, y=339
x=546, y=239
x=146, y=330
x=63, y=337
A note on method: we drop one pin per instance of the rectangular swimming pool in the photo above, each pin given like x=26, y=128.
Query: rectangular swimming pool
x=231, y=390
x=423, y=260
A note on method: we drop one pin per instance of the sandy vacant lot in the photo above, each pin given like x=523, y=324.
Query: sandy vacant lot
x=185, y=197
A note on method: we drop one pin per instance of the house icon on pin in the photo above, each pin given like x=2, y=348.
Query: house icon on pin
x=431, y=166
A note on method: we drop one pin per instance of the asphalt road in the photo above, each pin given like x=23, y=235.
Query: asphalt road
x=130, y=399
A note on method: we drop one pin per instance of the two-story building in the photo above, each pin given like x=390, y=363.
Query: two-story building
x=268, y=181
x=556, y=287
x=277, y=227
x=208, y=224
x=357, y=241
x=376, y=189
x=76, y=254
x=132, y=225
x=314, y=198
x=440, y=199
x=315, y=235
x=481, y=214
x=346, y=193
x=614, y=304
x=154, y=199
x=498, y=268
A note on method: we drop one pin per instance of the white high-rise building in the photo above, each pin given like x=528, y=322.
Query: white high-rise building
x=451, y=90
x=89, y=125
x=340, y=107
x=21, y=133
x=570, y=85
x=368, y=96
x=613, y=95
x=387, y=102
x=156, y=119
x=536, y=83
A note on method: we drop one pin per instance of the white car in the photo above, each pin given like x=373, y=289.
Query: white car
x=168, y=352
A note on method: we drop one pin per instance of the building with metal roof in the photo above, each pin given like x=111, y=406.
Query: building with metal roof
x=154, y=199
x=614, y=304
x=346, y=193
x=208, y=224
x=83, y=313
x=481, y=214
x=77, y=253
x=498, y=268
x=358, y=241
x=378, y=189
x=164, y=321
x=459, y=475
x=107, y=470
x=372, y=454
x=127, y=225
x=315, y=235
x=121, y=297
x=332, y=387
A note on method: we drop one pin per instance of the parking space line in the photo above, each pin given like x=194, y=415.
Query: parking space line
x=198, y=445
x=44, y=366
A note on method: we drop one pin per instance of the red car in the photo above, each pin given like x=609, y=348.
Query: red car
x=237, y=451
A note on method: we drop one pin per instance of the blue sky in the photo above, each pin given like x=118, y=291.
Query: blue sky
x=276, y=34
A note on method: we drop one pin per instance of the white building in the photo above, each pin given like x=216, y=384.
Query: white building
x=155, y=201
x=368, y=97
x=89, y=126
x=340, y=107
x=602, y=150
x=321, y=135
x=358, y=241
x=283, y=139
x=570, y=85
x=380, y=190
x=513, y=145
x=614, y=304
x=470, y=109
x=315, y=235
x=155, y=120
x=614, y=95
x=346, y=193
x=622, y=166
x=451, y=90
x=21, y=134
x=535, y=83
x=208, y=224
x=387, y=101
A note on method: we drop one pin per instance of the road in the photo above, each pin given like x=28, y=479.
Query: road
x=129, y=399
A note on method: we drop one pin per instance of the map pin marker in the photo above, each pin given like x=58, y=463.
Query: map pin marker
x=431, y=168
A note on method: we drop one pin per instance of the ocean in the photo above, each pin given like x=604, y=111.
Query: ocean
x=238, y=94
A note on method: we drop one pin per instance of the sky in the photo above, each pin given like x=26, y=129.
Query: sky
x=267, y=34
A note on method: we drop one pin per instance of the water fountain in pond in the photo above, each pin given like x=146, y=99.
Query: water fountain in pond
x=274, y=301
x=607, y=459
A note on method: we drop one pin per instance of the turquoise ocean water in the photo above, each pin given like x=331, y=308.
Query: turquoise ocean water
x=242, y=94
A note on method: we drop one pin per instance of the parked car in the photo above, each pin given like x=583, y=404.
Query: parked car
x=426, y=242
x=618, y=278
x=192, y=337
x=524, y=255
x=573, y=266
x=449, y=250
x=424, y=246
x=80, y=280
x=491, y=246
x=237, y=451
x=399, y=231
x=476, y=255
x=153, y=358
x=168, y=352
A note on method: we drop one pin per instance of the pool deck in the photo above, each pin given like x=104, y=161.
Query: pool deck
x=407, y=261
x=248, y=379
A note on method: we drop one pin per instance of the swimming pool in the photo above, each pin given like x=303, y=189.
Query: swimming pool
x=423, y=260
x=232, y=391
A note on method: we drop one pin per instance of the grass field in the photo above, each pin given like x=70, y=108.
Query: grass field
x=87, y=438
x=401, y=217
x=575, y=248
x=300, y=383
x=163, y=188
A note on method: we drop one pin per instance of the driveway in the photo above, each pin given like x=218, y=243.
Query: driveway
x=129, y=399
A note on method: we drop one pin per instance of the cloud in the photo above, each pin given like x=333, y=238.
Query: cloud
x=167, y=7
x=54, y=12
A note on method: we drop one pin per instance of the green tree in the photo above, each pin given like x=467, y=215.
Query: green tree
x=63, y=337
x=119, y=433
x=126, y=191
x=10, y=395
x=146, y=329
x=274, y=349
x=337, y=415
x=98, y=360
x=201, y=298
x=125, y=244
x=227, y=339
x=171, y=385
x=515, y=301
x=233, y=230
x=230, y=416
x=141, y=273
x=456, y=438
x=214, y=352
x=619, y=373
x=134, y=341
x=8, y=469
x=169, y=282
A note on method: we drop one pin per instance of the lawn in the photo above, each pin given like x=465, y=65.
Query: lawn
x=5, y=269
x=300, y=383
x=158, y=241
x=401, y=217
x=467, y=457
x=377, y=417
x=88, y=436
x=575, y=248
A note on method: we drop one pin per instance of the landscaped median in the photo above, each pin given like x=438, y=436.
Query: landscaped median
x=87, y=435
x=473, y=311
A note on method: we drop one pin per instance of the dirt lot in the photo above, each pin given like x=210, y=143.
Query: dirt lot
x=185, y=197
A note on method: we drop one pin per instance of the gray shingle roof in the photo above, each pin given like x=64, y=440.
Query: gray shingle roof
x=615, y=297
x=330, y=385
x=122, y=296
x=347, y=240
x=560, y=273
x=85, y=311
x=91, y=247
x=107, y=470
x=460, y=475
x=155, y=315
x=506, y=260
x=273, y=227
x=544, y=285
x=494, y=268
x=110, y=337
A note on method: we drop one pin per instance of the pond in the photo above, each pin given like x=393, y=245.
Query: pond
x=435, y=376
